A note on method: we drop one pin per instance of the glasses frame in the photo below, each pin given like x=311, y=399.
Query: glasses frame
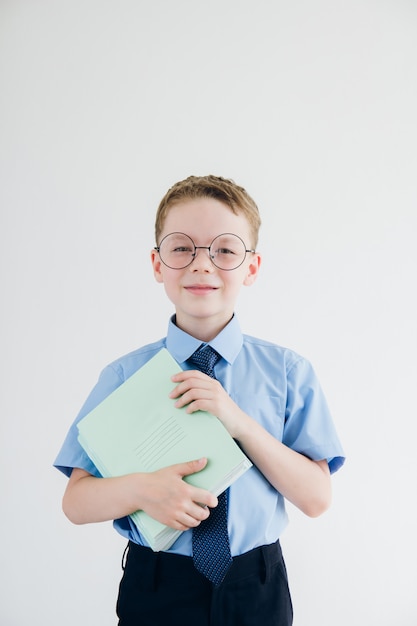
x=194, y=254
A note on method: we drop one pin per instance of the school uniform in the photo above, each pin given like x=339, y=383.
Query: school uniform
x=279, y=389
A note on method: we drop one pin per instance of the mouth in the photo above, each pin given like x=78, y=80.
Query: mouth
x=200, y=289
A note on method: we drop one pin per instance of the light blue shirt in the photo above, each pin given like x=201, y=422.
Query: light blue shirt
x=274, y=385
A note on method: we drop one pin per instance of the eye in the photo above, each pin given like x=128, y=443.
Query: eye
x=225, y=251
x=182, y=249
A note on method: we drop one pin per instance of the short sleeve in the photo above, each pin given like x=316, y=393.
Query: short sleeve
x=72, y=454
x=309, y=427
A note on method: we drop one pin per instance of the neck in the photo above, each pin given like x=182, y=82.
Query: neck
x=204, y=330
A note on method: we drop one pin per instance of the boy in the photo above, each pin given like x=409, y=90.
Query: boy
x=267, y=397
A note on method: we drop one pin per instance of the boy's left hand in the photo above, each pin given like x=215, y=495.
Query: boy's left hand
x=199, y=392
x=303, y=482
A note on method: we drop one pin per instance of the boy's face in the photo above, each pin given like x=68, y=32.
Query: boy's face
x=205, y=296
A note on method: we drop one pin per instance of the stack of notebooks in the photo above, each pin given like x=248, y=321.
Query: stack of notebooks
x=137, y=428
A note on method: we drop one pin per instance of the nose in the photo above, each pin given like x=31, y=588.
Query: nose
x=202, y=260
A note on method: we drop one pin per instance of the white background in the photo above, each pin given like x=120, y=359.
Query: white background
x=312, y=107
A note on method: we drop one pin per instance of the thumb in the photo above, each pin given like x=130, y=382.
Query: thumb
x=191, y=467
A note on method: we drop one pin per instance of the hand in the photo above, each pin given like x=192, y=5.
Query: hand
x=172, y=501
x=200, y=392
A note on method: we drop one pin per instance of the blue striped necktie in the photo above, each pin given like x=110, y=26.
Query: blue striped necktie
x=211, y=549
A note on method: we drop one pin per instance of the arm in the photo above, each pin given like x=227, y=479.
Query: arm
x=164, y=495
x=303, y=482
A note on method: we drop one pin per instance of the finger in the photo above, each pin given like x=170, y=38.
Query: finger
x=187, y=521
x=190, y=467
x=205, y=500
x=185, y=374
x=188, y=517
x=193, y=395
x=190, y=383
x=185, y=524
x=201, y=404
x=196, y=514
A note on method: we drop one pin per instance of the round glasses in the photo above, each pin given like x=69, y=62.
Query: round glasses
x=226, y=251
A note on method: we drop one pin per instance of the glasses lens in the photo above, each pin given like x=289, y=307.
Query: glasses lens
x=176, y=250
x=227, y=251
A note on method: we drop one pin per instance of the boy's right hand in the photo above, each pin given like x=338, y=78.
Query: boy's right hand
x=166, y=497
x=163, y=494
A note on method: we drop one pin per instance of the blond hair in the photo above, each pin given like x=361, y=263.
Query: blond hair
x=221, y=189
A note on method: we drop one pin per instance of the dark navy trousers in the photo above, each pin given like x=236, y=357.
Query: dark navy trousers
x=161, y=589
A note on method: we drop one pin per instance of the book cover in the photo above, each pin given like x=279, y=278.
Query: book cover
x=137, y=428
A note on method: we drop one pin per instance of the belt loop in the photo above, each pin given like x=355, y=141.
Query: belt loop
x=153, y=574
x=124, y=557
x=270, y=555
x=267, y=565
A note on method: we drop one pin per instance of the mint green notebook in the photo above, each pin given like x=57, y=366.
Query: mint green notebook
x=137, y=428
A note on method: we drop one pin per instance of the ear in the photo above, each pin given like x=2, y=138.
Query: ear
x=156, y=265
x=253, y=269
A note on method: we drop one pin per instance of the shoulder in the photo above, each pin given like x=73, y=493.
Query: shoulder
x=273, y=353
x=129, y=363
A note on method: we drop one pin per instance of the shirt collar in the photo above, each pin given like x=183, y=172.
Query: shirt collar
x=182, y=345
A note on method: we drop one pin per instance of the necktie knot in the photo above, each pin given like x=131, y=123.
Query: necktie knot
x=204, y=359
